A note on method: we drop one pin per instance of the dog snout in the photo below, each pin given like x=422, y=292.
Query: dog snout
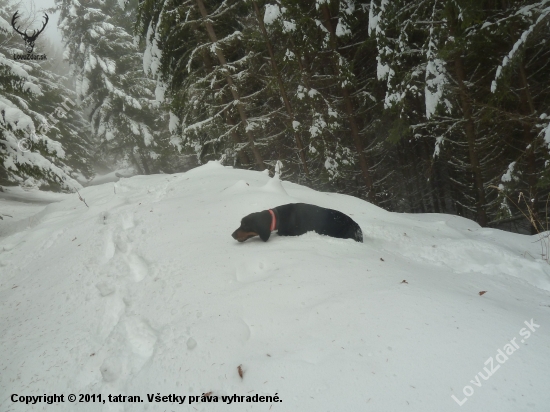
x=240, y=235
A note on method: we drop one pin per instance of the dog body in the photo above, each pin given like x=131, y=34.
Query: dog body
x=295, y=219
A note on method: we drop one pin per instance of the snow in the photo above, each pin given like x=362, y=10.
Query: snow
x=348, y=7
x=90, y=63
x=332, y=167
x=134, y=127
x=375, y=18
x=289, y=26
x=272, y=13
x=84, y=86
x=312, y=92
x=110, y=66
x=111, y=176
x=545, y=131
x=383, y=71
x=148, y=138
x=109, y=135
x=289, y=55
x=318, y=125
x=152, y=54
x=319, y=3
x=160, y=90
x=33, y=88
x=173, y=123
x=435, y=77
x=19, y=206
x=507, y=177
x=14, y=117
x=438, y=143
x=436, y=81
x=342, y=29
x=17, y=68
x=301, y=92
x=5, y=26
x=145, y=292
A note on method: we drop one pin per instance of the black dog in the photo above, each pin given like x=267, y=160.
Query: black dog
x=295, y=219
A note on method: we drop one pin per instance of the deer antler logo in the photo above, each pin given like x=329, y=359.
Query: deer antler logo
x=29, y=40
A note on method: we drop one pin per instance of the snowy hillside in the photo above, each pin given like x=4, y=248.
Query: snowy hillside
x=145, y=292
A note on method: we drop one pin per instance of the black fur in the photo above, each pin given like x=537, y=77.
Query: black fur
x=295, y=219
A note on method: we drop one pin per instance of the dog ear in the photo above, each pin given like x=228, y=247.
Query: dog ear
x=264, y=224
x=264, y=234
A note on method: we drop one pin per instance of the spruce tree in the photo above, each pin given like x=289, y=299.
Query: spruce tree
x=123, y=109
x=42, y=142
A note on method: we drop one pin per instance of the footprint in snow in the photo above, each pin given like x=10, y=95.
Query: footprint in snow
x=127, y=221
x=113, y=311
x=121, y=242
x=140, y=336
x=159, y=192
x=52, y=240
x=138, y=267
x=109, y=247
x=191, y=343
x=130, y=345
x=105, y=288
x=252, y=271
x=111, y=368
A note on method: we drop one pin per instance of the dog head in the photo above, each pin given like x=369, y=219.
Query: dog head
x=255, y=224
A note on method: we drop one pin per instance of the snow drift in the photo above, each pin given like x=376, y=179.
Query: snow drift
x=145, y=293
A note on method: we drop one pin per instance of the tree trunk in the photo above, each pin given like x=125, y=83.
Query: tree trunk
x=528, y=109
x=232, y=86
x=144, y=163
x=241, y=154
x=435, y=198
x=348, y=103
x=282, y=89
x=303, y=72
x=136, y=163
x=471, y=139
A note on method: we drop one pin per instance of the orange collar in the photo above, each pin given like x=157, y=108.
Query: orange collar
x=273, y=221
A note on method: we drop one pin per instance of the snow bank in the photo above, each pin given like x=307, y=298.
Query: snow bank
x=111, y=176
x=146, y=293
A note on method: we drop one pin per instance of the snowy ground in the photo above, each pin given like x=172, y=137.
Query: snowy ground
x=145, y=292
